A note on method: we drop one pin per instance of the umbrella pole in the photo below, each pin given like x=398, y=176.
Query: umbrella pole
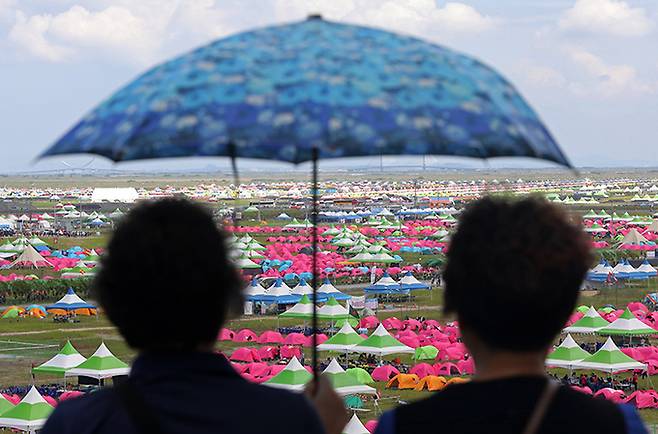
x=314, y=245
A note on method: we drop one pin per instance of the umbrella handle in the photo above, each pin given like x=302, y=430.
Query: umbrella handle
x=314, y=245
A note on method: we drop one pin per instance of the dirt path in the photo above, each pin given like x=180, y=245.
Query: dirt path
x=38, y=332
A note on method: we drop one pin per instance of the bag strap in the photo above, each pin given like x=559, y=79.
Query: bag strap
x=539, y=413
x=139, y=412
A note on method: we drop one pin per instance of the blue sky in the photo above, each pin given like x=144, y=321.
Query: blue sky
x=589, y=67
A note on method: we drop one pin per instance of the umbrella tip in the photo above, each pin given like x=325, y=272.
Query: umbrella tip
x=314, y=17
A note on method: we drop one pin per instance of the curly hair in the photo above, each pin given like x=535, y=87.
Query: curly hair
x=165, y=279
x=514, y=269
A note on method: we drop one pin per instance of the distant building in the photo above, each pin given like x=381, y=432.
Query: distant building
x=123, y=195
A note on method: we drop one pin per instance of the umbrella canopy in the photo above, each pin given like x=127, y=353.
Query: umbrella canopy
x=627, y=325
x=345, y=339
x=345, y=383
x=28, y=415
x=565, y=355
x=102, y=364
x=591, y=322
x=293, y=377
x=381, y=343
x=609, y=358
x=67, y=358
x=246, y=96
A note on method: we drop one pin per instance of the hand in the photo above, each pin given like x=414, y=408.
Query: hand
x=328, y=404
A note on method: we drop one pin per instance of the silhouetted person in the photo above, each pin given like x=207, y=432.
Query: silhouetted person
x=512, y=277
x=167, y=284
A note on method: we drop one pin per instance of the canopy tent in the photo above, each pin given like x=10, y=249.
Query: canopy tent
x=646, y=269
x=304, y=288
x=381, y=343
x=633, y=237
x=245, y=263
x=301, y=310
x=29, y=257
x=385, y=285
x=410, y=282
x=354, y=426
x=345, y=383
x=293, y=377
x=67, y=358
x=71, y=303
x=345, y=339
x=102, y=364
x=609, y=359
x=278, y=293
x=329, y=290
x=591, y=322
x=254, y=289
x=565, y=355
x=627, y=325
x=28, y=415
x=333, y=311
x=5, y=404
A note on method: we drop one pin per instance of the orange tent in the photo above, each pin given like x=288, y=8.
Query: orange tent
x=457, y=380
x=431, y=383
x=403, y=381
x=38, y=313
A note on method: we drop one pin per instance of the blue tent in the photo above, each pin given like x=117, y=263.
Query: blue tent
x=71, y=301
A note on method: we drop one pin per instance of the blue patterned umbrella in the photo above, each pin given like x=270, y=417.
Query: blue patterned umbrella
x=278, y=93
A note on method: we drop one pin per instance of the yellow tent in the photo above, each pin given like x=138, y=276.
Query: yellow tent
x=431, y=383
x=403, y=381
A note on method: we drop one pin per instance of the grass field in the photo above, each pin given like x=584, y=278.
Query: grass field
x=26, y=342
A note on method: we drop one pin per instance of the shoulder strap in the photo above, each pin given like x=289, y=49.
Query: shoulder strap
x=539, y=412
x=139, y=412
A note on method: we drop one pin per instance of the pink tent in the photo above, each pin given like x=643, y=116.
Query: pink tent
x=268, y=353
x=244, y=355
x=652, y=366
x=275, y=369
x=410, y=341
x=586, y=390
x=447, y=369
x=412, y=324
x=295, y=339
x=371, y=426
x=431, y=324
x=637, y=306
x=226, y=335
x=240, y=367
x=50, y=400
x=14, y=399
x=70, y=394
x=643, y=399
x=270, y=337
x=320, y=339
x=245, y=335
x=287, y=352
x=369, y=322
x=422, y=370
x=467, y=366
x=392, y=323
x=616, y=396
x=384, y=373
x=258, y=369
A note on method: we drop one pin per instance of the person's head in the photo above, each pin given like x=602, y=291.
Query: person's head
x=165, y=279
x=514, y=269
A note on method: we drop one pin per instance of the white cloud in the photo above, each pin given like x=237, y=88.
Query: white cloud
x=543, y=76
x=29, y=34
x=614, y=17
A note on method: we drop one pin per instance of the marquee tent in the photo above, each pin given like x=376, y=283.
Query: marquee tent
x=627, y=325
x=102, y=364
x=385, y=285
x=329, y=290
x=29, y=257
x=410, y=282
x=609, y=359
x=28, y=415
x=67, y=358
x=381, y=343
x=301, y=310
x=333, y=311
x=293, y=377
x=345, y=339
x=589, y=323
x=71, y=303
x=354, y=426
x=565, y=355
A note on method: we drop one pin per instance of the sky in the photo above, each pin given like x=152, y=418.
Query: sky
x=588, y=67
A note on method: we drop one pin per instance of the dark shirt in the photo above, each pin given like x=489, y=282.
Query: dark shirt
x=505, y=406
x=190, y=393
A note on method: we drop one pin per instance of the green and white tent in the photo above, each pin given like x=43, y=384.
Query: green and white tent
x=102, y=364
x=345, y=383
x=609, y=359
x=5, y=404
x=67, y=358
x=333, y=311
x=354, y=426
x=28, y=415
x=245, y=263
x=345, y=339
x=303, y=309
x=591, y=322
x=627, y=325
x=293, y=377
x=381, y=343
x=565, y=355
